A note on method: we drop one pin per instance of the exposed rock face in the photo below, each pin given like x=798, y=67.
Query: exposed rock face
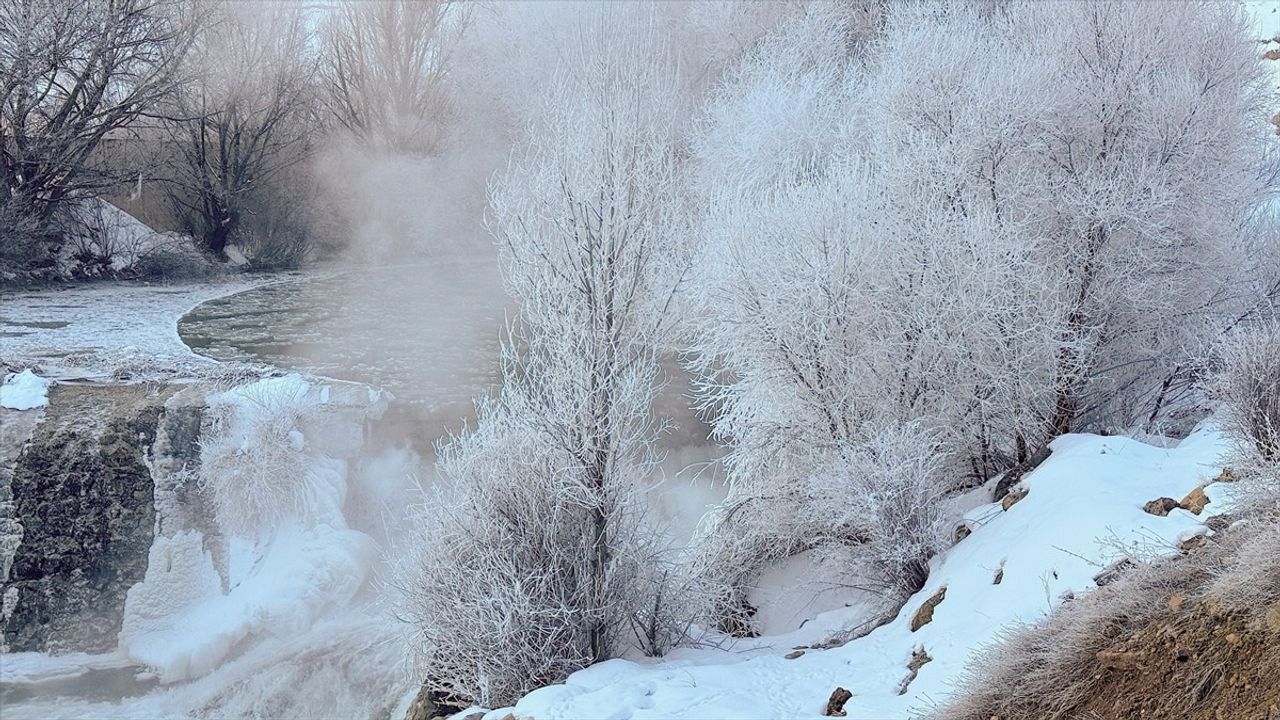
x=1160, y=506
x=924, y=615
x=1013, y=497
x=1195, y=501
x=82, y=492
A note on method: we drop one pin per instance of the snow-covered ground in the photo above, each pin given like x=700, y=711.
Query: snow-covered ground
x=1084, y=510
x=98, y=330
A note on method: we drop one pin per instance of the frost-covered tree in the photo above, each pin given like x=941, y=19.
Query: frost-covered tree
x=74, y=73
x=1150, y=157
x=898, y=233
x=541, y=514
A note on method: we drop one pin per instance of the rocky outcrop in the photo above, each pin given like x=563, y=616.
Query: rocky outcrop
x=89, y=484
x=1160, y=506
x=1195, y=501
x=82, y=492
x=924, y=615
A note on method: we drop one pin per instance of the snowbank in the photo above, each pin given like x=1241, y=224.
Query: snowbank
x=1083, y=511
x=24, y=391
x=178, y=622
x=102, y=228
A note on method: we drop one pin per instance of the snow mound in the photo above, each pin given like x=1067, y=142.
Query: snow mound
x=24, y=391
x=1083, y=511
x=104, y=229
x=178, y=622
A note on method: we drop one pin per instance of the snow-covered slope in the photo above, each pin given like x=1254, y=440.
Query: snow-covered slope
x=1084, y=510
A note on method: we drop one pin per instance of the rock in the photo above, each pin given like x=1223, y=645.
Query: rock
x=83, y=493
x=1273, y=618
x=1195, y=501
x=835, y=704
x=962, y=531
x=1119, y=659
x=924, y=615
x=919, y=658
x=1160, y=506
x=999, y=577
x=1014, y=497
x=793, y=654
x=430, y=705
x=1192, y=543
x=1113, y=571
x=1227, y=475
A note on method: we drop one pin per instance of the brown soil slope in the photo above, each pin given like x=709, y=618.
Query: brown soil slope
x=1194, y=637
x=1199, y=663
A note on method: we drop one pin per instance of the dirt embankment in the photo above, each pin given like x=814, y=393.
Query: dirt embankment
x=1194, y=637
x=1200, y=663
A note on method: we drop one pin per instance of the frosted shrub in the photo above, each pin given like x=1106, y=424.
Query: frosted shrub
x=504, y=594
x=253, y=460
x=1248, y=384
x=496, y=592
x=893, y=484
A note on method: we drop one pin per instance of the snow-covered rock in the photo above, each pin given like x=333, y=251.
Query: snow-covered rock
x=24, y=391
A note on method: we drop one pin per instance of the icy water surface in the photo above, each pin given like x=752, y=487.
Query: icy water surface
x=427, y=332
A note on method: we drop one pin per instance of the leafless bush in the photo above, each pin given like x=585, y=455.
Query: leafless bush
x=503, y=593
x=893, y=484
x=1249, y=386
x=23, y=243
x=253, y=460
x=172, y=258
x=1250, y=579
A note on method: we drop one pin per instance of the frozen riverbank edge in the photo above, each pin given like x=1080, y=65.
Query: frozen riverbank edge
x=224, y=622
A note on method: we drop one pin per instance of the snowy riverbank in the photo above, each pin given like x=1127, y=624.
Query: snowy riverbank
x=1083, y=511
